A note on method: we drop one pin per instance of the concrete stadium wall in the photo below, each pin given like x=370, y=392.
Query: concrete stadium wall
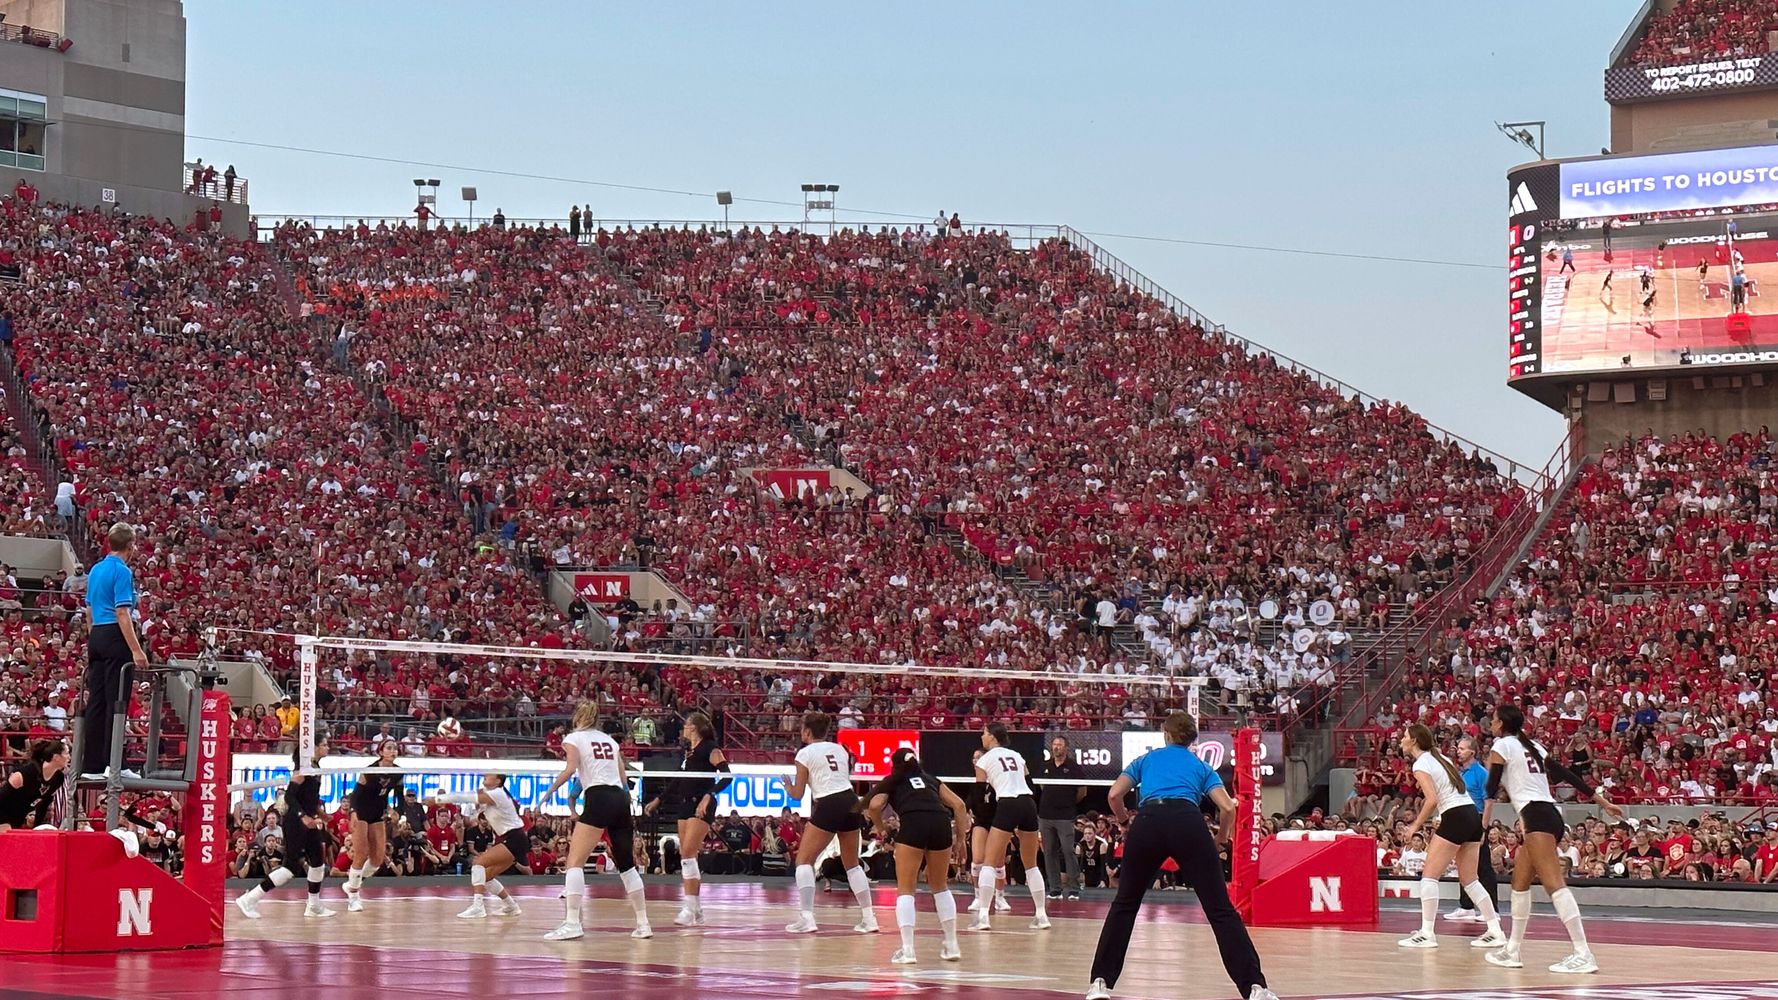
x=1694, y=123
x=37, y=556
x=1718, y=405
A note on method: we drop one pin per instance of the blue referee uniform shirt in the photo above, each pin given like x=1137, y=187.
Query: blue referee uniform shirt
x=1475, y=781
x=1172, y=772
x=109, y=585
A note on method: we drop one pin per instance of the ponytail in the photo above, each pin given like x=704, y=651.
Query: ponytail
x=1422, y=738
x=1512, y=723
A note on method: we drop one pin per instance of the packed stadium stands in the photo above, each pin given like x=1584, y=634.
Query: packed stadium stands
x=1696, y=30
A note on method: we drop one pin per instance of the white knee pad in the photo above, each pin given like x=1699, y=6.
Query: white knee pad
x=317, y=873
x=632, y=880
x=689, y=871
x=478, y=875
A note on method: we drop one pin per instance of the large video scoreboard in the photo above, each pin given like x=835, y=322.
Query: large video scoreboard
x=1631, y=263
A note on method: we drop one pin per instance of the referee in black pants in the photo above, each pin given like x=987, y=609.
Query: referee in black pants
x=1171, y=782
x=112, y=647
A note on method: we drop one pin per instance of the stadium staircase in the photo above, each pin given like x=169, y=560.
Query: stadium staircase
x=42, y=460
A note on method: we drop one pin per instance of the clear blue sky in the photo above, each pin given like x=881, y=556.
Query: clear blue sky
x=1364, y=128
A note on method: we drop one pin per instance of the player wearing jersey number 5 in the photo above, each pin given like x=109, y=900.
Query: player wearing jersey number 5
x=824, y=770
x=596, y=759
x=1015, y=812
x=1522, y=768
x=934, y=832
x=1169, y=823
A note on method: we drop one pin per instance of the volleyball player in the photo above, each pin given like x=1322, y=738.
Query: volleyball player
x=26, y=793
x=824, y=770
x=934, y=830
x=370, y=834
x=597, y=760
x=1015, y=813
x=981, y=818
x=1171, y=781
x=509, y=848
x=304, y=832
x=1520, y=766
x=1459, y=836
x=691, y=804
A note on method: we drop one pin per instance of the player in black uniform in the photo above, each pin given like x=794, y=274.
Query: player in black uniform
x=691, y=804
x=934, y=832
x=26, y=793
x=981, y=813
x=304, y=832
x=370, y=834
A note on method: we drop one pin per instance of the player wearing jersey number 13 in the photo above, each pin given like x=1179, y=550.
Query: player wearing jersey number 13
x=1015, y=812
x=824, y=770
x=1459, y=837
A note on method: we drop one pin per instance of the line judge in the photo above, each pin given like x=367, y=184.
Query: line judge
x=112, y=647
x=1171, y=781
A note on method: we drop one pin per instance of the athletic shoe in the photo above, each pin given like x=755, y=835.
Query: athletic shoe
x=642, y=932
x=1000, y=903
x=1261, y=993
x=1506, y=958
x=567, y=931
x=1464, y=915
x=248, y=906
x=1493, y=939
x=477, y=910
x=1098, y=991
x=980, y=923
x=317, y=910
x=1054, y=894
x=510, y=909
x=1073, y=894
x=1419, y=939
x=804, y=924
x=949, y=952
x=866, y=926
x=688, y=917
x=354, y=903
x=1041, y=922
x=903, y=956
x=975, y=904
x=1578, y=964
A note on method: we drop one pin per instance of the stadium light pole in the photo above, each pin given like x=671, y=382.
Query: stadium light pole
x=1519, y=132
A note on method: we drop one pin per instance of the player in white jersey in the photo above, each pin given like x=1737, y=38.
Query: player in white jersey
x=1522, y=767
x=598, y=761
x=509, y=848
x=1459, y=836
x=824, y=771
x=1015, y=812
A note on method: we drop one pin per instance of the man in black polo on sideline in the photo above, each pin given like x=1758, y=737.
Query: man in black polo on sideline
x=1171, y=781
x=112, y=648
x=1056, y=806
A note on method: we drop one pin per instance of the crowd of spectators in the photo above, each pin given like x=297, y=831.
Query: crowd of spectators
x=1639, y=633
x=1708, y=29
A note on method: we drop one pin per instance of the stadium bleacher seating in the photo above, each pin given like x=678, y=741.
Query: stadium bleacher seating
x=1696, y=30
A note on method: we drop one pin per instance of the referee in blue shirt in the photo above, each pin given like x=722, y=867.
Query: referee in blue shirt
x=112, y=648
x=1172, y=782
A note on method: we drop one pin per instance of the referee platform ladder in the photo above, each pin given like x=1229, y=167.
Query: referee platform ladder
x=68, y=890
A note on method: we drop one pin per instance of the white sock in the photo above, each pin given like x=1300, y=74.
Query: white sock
x=947, y=914
x=1569, y=911
x=860, y=883
x=904, y=919
x=574, y=886
x=805, y=889
x=984, y=892
x=632, y=881
x=1428, y=905
x=1483, y=903
x=1521, y=917
x=354, y=878
x=1034, y=882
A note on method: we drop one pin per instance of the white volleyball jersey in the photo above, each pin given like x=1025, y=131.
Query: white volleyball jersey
x=600, y=758
x=502, y=811
x=1006, y=773
x=1449, y=796
x=829, y=766
x=1524, y=780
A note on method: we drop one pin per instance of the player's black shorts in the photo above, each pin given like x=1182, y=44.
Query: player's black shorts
x=1542, y=817
x=1017, y=813
x=517, y=843
x=982, y=815
x=606, y=807
x=302, y=845
x=1462, y=825
x=677, y=811
x=370, y=811
x=837, y=813
x=928, y=831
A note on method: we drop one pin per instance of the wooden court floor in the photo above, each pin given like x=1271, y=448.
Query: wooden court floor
x=408, y=944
